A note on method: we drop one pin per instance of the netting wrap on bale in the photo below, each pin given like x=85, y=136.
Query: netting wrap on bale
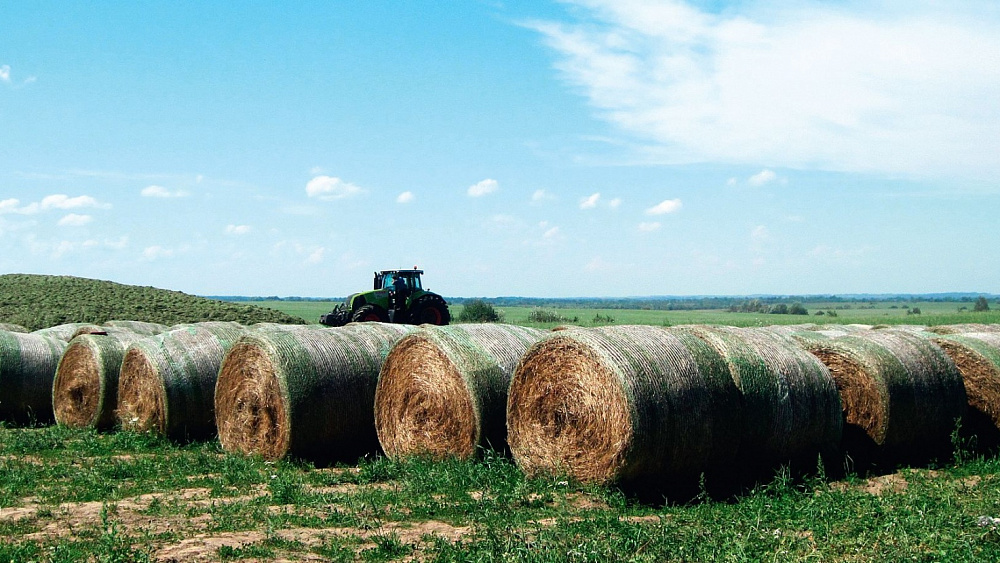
x=977, y=356
x=964, y=327
x=9, y=327
x=85, y=390
x=27, y=367
x=790, y=402
x=898, y=389
x=142, y=328
x=442, y=390
x=622, y=403
x=66, y=332
x=167, y=382
x=308, y=393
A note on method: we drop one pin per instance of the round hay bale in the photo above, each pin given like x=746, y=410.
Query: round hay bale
x=10, y=327
x=65, y=332
x=964, y=327
x=900, y=390
x=622, y=403
x=85, y=390
x=27, y=367
x=167, y=382
x=977, y=356
x=142, y=328
x=442, y=390
x=790, y=402
x=308, y=393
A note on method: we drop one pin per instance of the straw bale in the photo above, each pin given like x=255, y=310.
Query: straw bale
x=622, y=403
x=10, y=327
x=790, y=402
x=442, y=390
x=167, y=381
x=65, y=332
x=27, y=367
x=308, y=393
x=85, y=390
x=142, y=328
x=899, y=389
x=964, y=327
x=977, y=356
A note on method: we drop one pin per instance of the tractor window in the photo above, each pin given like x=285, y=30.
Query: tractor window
x=387, y=281
x=414, y=283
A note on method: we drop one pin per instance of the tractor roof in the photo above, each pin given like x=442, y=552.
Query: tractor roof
x=413, y=271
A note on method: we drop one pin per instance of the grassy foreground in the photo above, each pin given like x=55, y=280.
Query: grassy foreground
x=72, y=495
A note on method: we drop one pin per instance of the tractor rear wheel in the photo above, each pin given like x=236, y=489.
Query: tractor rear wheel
x=430, y=310
x=369, y=313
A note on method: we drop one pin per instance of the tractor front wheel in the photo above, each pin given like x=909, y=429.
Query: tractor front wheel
x=430, y=310
x=369, y=313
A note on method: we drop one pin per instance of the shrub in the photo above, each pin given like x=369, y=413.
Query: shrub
x=797, y=309
x=981, y=305
x=479, y=311
x=543, y=316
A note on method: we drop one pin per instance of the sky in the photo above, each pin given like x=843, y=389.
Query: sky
x=582, y=148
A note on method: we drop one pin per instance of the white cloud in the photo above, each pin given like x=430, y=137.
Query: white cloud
x=649, y=227
x=156, y=252
x=763, y=177
x=75, y=220
x=482, y=188
x=315, y=256
x=613, y=204
x=590, y=201
x=9, y=205
x=62, y=201
x=405, y=197
x=760, y=234
x=540, y=196
x=237, y=229
x=882, y=86
x=328, y=188
x=664, y=207
x=160, y=191
x=5, y=73
x=551, y=233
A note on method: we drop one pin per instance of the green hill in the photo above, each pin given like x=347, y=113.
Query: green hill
x=35, y=301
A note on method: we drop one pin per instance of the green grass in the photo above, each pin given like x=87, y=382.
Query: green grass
x=35, y=301
x=481, y=510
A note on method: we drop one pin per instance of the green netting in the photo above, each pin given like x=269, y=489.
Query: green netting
x=308, y=393
x=901, y=389
x=142, y=328
x=622, y=403
x=27, y=368
x=177, y=370
x=790, y=402
x=443, y=390
x=65, y=332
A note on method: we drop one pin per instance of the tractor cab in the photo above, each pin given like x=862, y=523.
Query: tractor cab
x=387, y=278
x=388, y=301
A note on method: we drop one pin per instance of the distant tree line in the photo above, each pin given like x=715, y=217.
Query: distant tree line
x=762, y=307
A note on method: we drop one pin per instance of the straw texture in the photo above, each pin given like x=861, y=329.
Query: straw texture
x=85, y=390
x=167, y=382
x=27, y=367
x=622, y=403
x=899, y=389
x=977, y=356
x=442, y=391
x=790, y=402
x=308, y=393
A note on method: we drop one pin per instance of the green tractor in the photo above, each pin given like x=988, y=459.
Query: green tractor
x=397, y=297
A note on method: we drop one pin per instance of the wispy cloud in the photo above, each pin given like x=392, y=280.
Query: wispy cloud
x=482, y=188
x=885, y=86
x=405, y=197
x=649, y=227
x=5, y=73
x=55, y=201
x=664, y=207
x=75, y=220
x=156, y=252
x=590, y=201
x=238, y=229
x=763, y=177
x=541, y=195
x=328, y=188
x=161, y=192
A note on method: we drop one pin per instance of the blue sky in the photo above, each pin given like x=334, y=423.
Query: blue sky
x=579, y=148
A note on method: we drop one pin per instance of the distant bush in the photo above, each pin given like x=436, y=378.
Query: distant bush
x=604, y=319
x=913, y=311
x=544, y=316
x=479, y=311
x=797, y=309
x=981, y=305
x=779, y=309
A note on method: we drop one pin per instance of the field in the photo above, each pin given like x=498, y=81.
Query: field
x=74, y=495
x=81, y=495
x=874, y=313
